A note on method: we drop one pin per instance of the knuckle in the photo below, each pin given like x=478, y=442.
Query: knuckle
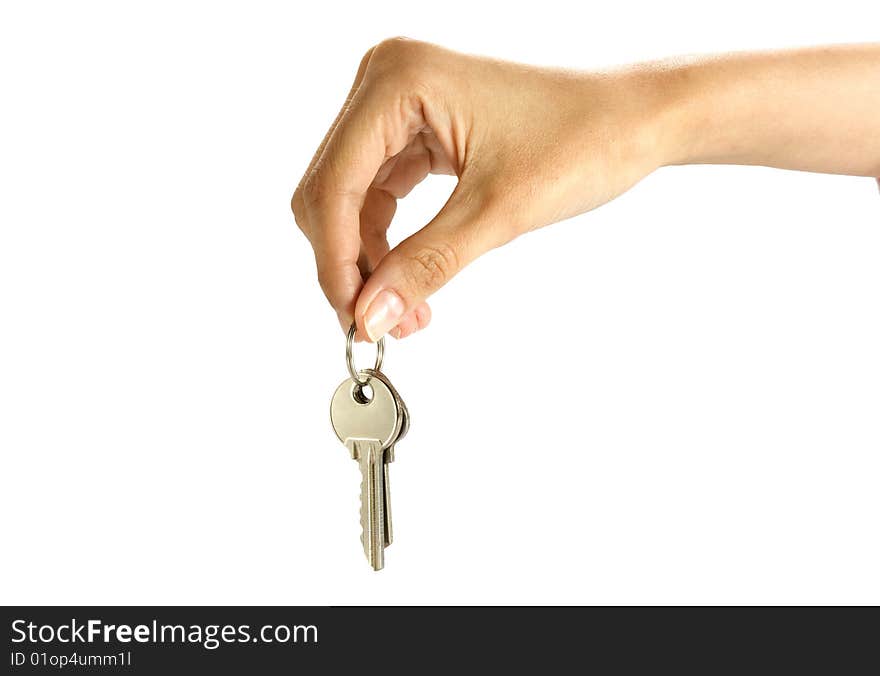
x=431, y=267
x=297, y=206
x=393, y=46
x=401, y=60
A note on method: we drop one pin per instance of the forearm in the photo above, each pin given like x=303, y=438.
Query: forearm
x=814, y=109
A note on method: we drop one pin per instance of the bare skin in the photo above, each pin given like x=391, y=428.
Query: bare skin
x=532, y=146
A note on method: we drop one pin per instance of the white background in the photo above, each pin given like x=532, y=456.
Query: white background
x=673, y=399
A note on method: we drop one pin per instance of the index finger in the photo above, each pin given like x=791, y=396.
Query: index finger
x=381, y=119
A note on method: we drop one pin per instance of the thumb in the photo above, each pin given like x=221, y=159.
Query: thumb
x=420, y=265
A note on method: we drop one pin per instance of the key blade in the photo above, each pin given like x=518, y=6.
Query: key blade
x=370, y=460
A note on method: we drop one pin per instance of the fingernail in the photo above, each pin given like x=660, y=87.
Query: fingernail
x=382, y=314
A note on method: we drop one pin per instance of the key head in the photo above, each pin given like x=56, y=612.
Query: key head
x=401, y=406
x=368, y=413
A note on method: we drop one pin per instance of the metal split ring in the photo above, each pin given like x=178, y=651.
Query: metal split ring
x=349, y=362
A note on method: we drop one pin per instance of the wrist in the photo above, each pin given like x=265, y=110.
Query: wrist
x=680, y=117
x=662, y=113
x=670, y=99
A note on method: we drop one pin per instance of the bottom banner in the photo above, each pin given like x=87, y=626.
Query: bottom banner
x=266, y=640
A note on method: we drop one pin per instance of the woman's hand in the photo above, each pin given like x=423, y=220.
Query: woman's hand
x=530, y=146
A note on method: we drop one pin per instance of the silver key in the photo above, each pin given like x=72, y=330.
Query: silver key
x=368, y=424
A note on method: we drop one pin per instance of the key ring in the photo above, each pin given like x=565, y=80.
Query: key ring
x=353, y=372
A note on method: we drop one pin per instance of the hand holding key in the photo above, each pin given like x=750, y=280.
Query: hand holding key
x=532, y=146
x=515, y=136
x=369, y=417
